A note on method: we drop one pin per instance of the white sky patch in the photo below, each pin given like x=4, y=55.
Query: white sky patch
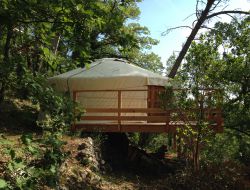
x=221, y=49
x=185, y=32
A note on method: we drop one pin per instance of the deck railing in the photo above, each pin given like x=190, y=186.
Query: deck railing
x=143, y=119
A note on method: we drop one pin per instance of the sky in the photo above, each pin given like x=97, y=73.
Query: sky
x=159, y=15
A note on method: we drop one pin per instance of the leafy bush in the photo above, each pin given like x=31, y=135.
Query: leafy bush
x=227, y=146
x=224, y=147
x=38, y=160
x=156, y=142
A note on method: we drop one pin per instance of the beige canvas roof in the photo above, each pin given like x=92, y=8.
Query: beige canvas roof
x=107, y=74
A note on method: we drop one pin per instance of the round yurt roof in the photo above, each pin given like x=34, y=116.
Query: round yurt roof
x=107, y=74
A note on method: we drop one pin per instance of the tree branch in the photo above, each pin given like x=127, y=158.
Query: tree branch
x=227, y=12
x=171, y=29
x=188, y=16
x=45, y=21
x=206, y=27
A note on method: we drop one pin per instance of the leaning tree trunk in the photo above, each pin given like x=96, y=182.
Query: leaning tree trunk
x=191, y=37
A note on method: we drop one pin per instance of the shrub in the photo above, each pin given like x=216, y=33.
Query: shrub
x=41, y=158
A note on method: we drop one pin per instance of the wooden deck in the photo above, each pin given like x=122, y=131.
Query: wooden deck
x=142, y=119
x=160, y=122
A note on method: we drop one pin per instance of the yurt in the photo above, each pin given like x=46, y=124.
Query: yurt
x=114, y=92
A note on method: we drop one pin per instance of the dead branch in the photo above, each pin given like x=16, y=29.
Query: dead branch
x=171, y=29
x=227, y=12
x=188, y=16
x=206, y=27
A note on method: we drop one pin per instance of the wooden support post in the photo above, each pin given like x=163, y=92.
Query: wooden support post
x=119, y=108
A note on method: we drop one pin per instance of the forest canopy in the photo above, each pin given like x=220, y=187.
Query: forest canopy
x=43, y=38
x=49, y=37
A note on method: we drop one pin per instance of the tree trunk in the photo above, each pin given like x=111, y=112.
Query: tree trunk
x=198, y=139
x=5, y=62
x=191, y=37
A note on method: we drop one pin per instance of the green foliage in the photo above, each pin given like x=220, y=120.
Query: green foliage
x=19, y=172
x=30, y=166
x=229, y=71
x=55, y=36
x=134, y=138
x=58, y=109
x=167, y=98
x=3, y=184
x=149, y=61
x=56, y=116
x=59, y=115
x=149, y=141
x=208, y=67
x=156, y=141
x=169, y=63
x=38, y=40
x=224, y=147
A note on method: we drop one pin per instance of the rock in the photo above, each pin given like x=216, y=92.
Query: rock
x=86, y=154
x=90, y=140
x=79, y=169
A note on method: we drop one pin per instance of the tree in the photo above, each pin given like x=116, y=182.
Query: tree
x=202, y=17
x=234, y=70
x=220, y=60
x=229, y=70
x=55, y=36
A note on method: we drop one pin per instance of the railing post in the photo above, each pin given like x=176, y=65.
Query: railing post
x=167, y=121
x=119, y=109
